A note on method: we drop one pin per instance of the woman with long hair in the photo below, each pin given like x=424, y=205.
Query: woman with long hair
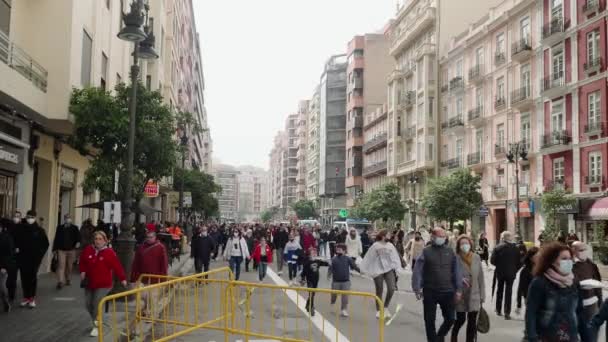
x=235, y=252
x=552, y=302
x=473, y=294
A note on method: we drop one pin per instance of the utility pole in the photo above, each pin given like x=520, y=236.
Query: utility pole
x=517, y=152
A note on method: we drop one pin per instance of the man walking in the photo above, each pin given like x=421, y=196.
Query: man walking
x=203, y=246
x=67, y=239
x=507, y=259
x=150, y=258
x=437, y=280
x=280, y=240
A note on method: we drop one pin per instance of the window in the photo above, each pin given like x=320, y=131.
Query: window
x=557, y=118
x=593, y=45
x=500, y=135
x=524, y=30
x=526, y=80
x=500, y=88
x=595, y=167
x=420, y=74
x=108, y=4
x=459, y=148
x=594, y=109
x=479, y=97
x=500, y=43
x=420, y=112
x=122, y=8
x=524, y=178
x=161, y=42
x=459, y=106
x=556, y=9
x=479, y=55
x=149, y=82
x=5, y=16
x=558, y=64
x=526, y=131
x=479, y=140
x=500, y=175
x=558, y=170
x=444, y=152
x=85, y=66
x=459, y=68
x=104, y=70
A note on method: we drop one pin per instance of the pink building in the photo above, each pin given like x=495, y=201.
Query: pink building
x=574, y=130
x=489, y=106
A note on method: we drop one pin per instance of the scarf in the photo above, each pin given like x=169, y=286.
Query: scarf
x=468, y=259
x=98, y=250
x=559, y=279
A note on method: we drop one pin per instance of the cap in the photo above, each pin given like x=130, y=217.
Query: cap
x=31, y=213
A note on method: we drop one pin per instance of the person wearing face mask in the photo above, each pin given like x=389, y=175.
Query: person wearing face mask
x=280, y=239
x=507, y=259
x=7, y=262
x=354, y=247
x=553, y=297
x=437, y=279
x=32, y=243
x=381, y=262
x=67, y=239
x=203, y=246
x=291, y=255
x=584, y=269
x=414, y=248
x=473, y=294
x=150, y=258
x=236, y=251
x=11, y=281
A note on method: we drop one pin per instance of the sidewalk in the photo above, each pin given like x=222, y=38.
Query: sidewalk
x=60, y=315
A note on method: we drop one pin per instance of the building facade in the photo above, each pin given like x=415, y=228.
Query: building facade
x=252, y=193
x=368, y=64
x=313, y=147
x=302, y=133
x=375, y=127
x=227, y=177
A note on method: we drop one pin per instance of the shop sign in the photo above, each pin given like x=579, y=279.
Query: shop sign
x=572, y=208
x=11, y=158
x=151, y=190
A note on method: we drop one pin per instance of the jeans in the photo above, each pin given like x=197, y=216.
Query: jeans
x=235, y=266
x=471, y=319
x=310, y=301
x=505, y=287
x=64, y=266
x=262, y=270
x=92, y=297
x=247, y=265
x=293, y=270
x=342, y=286
x=391, y=285
x=279, y=259
x=445, y=300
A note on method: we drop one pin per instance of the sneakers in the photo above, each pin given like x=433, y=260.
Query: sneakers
x=387, y=314
x=32, y=303
x=280, y=273
x=518, y=311
x=24, y=302
x=59, y=286
x=344, y=313
x=94, y=332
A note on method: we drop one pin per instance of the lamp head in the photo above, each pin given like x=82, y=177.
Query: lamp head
x=132, y=31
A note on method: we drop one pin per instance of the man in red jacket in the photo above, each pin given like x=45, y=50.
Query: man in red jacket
x=307, y=240
x=150, y=258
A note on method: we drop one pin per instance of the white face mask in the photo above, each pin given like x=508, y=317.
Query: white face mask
x=204, y=233
x=17, y=219
x=31, y=220
x=465, y=247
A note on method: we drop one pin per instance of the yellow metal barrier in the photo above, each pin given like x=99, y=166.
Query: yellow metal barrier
x=214, y=307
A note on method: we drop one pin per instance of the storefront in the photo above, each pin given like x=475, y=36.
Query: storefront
x=594, y=214
x=11, y=166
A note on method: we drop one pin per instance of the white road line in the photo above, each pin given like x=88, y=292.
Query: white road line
x=323, y=325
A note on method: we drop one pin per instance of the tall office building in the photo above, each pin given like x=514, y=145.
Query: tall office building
x=226, y=176
x=252, y=193
x=313, y=142
x=302, y=133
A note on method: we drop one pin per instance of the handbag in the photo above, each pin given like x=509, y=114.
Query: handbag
x=54, y=263
x=483, y=321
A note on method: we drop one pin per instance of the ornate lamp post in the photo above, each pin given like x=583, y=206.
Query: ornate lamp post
x=517, y=152
x=184, y=147
x=413, y=180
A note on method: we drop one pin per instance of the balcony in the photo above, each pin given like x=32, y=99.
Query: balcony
x=406, y=35
x=18, y=60
x=409, y=133
x=592, y=66
x=358, y=82
x=499, y=190
x=555, y=141
x=453, y=163
x=409, y=99
x=555, y=184
x=499, y=150
x=500, y=103
x=591, y=7
x=456, y=122
x=378, y=168
x=521, y=98
x=375, y=143
x=521, y=50
x=474, y=158
x=357, y=122
x=594, y=181
x=476, y=116
x=476, y=74
x=554, y=30
x=445, y=88
x=595, y=128
x=554, y=85
x=499, y=58
x=457, y=84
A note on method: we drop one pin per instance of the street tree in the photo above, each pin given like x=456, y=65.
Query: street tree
x=101, y=120
x=453, y=198
x=383, y=203
x=551, y=202
x=304, y=209
x=202, y=187
x=268, y=214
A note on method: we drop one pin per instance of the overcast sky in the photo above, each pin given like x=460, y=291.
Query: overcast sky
x=261, y=57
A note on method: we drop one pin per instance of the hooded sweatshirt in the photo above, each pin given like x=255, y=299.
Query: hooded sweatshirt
x=354, y=248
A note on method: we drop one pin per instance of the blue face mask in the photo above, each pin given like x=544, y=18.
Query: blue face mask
x=565, y=266
x=465, y=248
x=439, y=241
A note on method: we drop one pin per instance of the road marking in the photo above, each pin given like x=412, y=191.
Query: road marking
x=64, y=299
x=318, y=320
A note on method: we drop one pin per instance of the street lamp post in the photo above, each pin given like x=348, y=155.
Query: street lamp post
x=413, y=180
x=184, y=146
x=137, y=29
x=517, y=152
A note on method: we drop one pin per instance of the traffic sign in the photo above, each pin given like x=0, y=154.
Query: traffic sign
x=483, y=211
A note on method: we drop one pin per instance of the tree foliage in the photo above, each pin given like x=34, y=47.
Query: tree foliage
x=101, y=125
x=383, y=203
x=304, y=209
x=551, y=202
x=268, y=214
x=202, y=187
x=453, y=198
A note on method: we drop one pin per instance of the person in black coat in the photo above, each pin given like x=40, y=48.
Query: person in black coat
x=11, y=282
x=279, y=240
x=203, y=246
x=32, y=244
x=8, y=263
x=67, y=239
x=507, y=259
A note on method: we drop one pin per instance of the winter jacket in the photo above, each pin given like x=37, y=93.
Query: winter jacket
x=475, y=293
x=507, y=259
x=150, y=258
x=250, y=243
x=280, y=239
x=32, y=242
x=257, y=254
x=340, y=266
x=307, y=240
x=549, y=307
x=100, y=266
x=202, y=247
x=239, y=244
x=7, y=251
x=413, y=249
x=290, y=253
x=354, y=247
x=66, y=237
x=310, y=270
x=437, y=269
x=587, y=270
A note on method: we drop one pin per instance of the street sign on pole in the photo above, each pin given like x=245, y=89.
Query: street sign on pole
x=483, y=211
x=111, y=212
x=116, y=179
x=187, y=199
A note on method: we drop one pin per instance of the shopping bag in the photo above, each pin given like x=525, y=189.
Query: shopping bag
x=483, y=321
x=54, y=263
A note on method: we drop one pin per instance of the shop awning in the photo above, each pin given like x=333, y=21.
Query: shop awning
x=598, y=210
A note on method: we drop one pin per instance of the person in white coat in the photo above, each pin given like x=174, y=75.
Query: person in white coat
x=354, y=247
x=235, y=252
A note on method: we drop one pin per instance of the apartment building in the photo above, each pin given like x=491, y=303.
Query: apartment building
x=489, y=109
x=574, y=106
x=413, y=120
x=313, y=142
x=283, y=168
x=302, y=133
x=368, y=64
x=252, y=193
x=227, y=177
x=375, y=128
x=332, y=137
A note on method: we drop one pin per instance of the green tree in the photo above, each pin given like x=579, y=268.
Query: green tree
x=101, y=120
x=304, y=209
x=202, y=187
x=383, y=203
x=551, y=202
x=453, y=198
x=268, y=214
